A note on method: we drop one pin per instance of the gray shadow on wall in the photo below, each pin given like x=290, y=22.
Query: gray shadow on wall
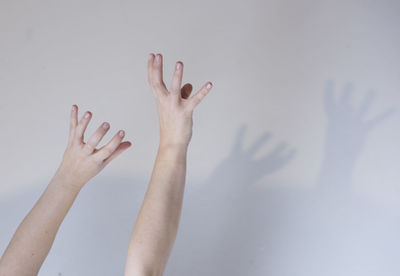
x=224, y=218
x=342, y=232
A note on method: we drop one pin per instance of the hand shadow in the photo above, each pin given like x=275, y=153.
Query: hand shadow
x=346, y=133
x=334, y=230
x=222, y=220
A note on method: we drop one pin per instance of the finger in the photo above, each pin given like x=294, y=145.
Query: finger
x=379, y=118
x=279, y=149
x=239, y=139
x=279, y=157
x=186, y=90
x=73, y=122
x=157, y=74
x=177, y=79
x=258, y=144
x=276, y=152
x=150, y=67
x=366, y=103
x=121, y=147
x=83, y=123
x=199, y=96
x=107, y=150
x=95, y=139
x=346, y=95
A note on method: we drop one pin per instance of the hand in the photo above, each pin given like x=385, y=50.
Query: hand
x=348, y=126
x=82, y=161
x=241, y=169
x=174, y=107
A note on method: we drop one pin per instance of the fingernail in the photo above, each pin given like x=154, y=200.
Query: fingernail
x=106, y=125
x=73, y=108
x=158, y=58
x=121, y=133
x=150, y=55
x=87, y=115
x=178, y=66
x=209, y=85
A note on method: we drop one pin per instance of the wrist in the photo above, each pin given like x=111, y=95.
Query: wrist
x=173, y=143
x=66, y=180
x=172, y=152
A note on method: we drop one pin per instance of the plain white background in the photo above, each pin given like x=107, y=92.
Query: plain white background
x=293, y=164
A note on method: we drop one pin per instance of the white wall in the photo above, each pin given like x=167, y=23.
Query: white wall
x=288, y=174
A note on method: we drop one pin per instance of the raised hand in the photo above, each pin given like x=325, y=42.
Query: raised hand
x=157, y=223
x=174, y=106
x=82, y=161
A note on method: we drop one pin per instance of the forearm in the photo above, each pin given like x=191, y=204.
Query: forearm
x=156, y=227
x=35, y=235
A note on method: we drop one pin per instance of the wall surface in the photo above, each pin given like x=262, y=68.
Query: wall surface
x=293, y=168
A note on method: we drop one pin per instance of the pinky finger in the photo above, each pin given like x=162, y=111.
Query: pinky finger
x=122, y=147
x=198, y=97
x=107, y=150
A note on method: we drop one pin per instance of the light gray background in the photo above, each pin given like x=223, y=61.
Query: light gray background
x=293, y=165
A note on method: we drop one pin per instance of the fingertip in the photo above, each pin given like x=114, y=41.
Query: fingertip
x=106, y=125
x=158, y=58
x=121, y=133
x=209, y=85
x=88, y=114
x=151, y=56
x=179, y=65
x=74, y=108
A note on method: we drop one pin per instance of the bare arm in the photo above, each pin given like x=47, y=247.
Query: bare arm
x=156, y=226
x=34, y=237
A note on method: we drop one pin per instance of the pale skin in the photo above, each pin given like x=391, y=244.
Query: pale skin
x=81, y=161
x=157, y=223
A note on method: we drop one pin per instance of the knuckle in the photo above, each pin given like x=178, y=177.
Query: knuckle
x=89, y=146
x=108, y=151
x=95, y=162
x=175, y=91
